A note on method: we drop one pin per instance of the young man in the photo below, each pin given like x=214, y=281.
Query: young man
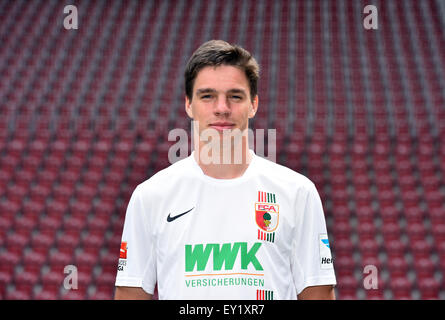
x=224, y=223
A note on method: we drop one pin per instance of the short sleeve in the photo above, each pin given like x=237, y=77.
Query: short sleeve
x=311, y=260
x=137, y=253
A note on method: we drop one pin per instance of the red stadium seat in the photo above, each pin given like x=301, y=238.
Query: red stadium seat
x=429, y=288
x=348, y=286
x=401, y=288
x=47, y=292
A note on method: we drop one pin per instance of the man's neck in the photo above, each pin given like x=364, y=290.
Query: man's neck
x=229, y=164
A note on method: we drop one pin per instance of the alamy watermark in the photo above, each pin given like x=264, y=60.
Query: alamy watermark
x=371, y=280
x=71, y=21
x=221, y=147
x=70, y=281
x=371, y=20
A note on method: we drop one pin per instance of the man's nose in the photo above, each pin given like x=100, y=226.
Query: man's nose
x=222, y=105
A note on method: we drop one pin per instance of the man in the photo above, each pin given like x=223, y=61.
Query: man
x=224, y=223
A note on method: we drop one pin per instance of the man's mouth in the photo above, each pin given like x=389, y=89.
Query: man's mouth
x=220, y=126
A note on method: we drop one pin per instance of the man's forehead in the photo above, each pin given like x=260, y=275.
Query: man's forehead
x=221, y=78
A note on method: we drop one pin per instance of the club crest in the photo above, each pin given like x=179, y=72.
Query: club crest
x=267, y=216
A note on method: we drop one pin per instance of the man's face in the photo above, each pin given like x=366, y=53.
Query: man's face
x=221, y=99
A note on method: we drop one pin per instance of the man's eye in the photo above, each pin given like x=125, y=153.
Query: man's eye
x=237, y=97
x=207, y=96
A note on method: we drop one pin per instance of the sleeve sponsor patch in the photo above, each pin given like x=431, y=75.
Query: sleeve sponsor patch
x=123, y=251
x=326, y=261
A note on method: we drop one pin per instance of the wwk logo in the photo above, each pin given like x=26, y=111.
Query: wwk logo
x=198, y=256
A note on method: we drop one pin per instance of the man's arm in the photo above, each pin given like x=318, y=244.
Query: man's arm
x=131, y=293
x=317, y=293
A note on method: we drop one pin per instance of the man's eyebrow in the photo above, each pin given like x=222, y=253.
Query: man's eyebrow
x=205, y=90
x=237, y=91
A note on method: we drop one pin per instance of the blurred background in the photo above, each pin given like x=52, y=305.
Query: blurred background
x=85, y=115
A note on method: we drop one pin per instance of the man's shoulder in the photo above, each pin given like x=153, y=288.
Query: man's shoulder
x=283, y=174
x=167, y=175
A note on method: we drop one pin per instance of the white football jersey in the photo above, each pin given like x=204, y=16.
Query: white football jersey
x=260, y=236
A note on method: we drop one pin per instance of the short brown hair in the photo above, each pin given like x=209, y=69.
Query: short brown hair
x=217, y=53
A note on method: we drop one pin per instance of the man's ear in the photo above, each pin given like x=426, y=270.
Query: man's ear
x=253, y=107
x=188, y=107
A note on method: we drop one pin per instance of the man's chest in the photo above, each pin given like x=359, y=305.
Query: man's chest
x=227, y=228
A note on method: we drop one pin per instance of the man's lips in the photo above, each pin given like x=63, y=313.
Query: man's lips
x=222, y=125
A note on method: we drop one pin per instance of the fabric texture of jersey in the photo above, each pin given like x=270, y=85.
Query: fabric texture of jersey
x=260, y=236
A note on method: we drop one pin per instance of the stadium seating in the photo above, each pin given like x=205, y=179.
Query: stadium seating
x=85, y=116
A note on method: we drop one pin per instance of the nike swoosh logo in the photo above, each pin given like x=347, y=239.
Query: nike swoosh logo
x=170, y=218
